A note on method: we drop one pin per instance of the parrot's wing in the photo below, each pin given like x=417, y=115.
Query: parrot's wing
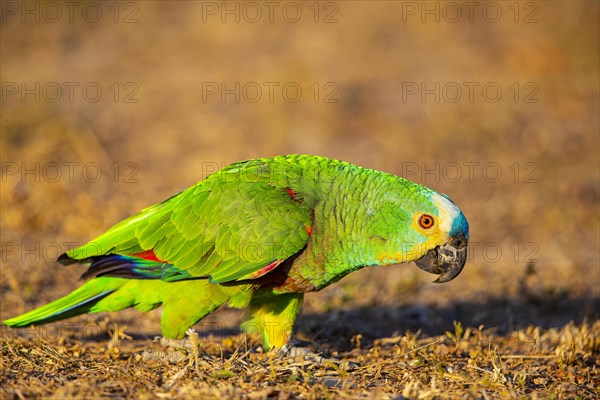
x=223, y=229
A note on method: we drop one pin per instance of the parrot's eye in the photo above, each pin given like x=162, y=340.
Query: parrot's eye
x=426, y=221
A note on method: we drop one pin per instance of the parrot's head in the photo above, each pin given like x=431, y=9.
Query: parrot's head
x=446, y=247
x=428, y=229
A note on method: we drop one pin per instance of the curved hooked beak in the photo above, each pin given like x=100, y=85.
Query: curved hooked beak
x=447, y=260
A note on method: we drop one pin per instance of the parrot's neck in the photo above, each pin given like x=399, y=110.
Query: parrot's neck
x=349, y=228
x=336, y=246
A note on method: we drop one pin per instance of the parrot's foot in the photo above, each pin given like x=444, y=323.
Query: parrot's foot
x=181, y=348
x=296, y=350
x=163, y=356
x=174, y=343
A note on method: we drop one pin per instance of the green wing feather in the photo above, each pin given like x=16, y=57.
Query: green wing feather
x=227, y=227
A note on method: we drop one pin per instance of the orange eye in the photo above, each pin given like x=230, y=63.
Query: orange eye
x=426, y=221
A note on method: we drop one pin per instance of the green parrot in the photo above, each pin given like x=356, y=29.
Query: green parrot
x=258, y=234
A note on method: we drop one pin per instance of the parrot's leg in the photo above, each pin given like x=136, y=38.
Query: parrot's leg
x=272, y=316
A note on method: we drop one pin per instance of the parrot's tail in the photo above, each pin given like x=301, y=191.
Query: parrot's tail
x=184, y=302
x=80, y=301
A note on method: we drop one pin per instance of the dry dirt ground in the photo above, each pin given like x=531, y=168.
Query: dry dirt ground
x=109, y=107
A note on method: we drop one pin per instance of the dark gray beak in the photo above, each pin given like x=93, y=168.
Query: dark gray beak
x=447, y=261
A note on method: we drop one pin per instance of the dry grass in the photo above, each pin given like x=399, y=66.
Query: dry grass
x=463, y=363
x=526, y=318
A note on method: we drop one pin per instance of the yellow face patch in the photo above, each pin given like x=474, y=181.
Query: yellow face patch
x=409, y=253
x=435, y=228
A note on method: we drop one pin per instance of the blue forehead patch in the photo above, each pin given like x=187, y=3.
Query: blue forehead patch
x=460, y=225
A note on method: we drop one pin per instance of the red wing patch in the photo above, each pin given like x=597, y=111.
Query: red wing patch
x=147, y=255
x=293, y=195
x=266, y=270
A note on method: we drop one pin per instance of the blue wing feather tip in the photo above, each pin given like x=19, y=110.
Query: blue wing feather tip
x=122, y=266
x=118, y=265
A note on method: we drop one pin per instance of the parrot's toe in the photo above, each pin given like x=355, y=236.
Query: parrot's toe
x=297, y=351
x=174, y=343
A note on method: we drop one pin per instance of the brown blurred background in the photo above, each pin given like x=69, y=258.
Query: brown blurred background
x=110, y=107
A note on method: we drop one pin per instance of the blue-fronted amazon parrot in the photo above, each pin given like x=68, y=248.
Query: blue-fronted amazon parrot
x=258, y=235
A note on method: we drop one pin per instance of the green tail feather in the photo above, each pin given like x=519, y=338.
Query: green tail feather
x=184, y=303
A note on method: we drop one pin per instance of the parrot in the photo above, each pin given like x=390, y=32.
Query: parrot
x=258, y=235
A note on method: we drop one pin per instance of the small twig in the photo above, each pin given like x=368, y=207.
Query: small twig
x=118, y=334
x=421, y=347
x=525, y=356
x=477, y=368
x=193, y=337
x=171, y=382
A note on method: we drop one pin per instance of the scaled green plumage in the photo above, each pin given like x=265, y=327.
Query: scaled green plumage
x=259, y=234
